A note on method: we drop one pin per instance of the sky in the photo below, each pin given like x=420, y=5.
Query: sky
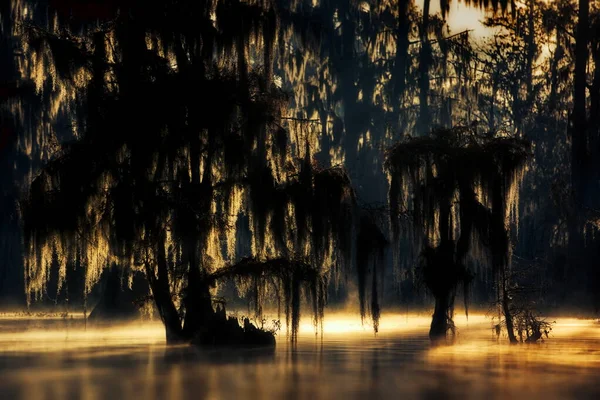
x=461, y=17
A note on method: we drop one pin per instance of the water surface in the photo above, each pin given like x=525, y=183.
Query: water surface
x=58, y=359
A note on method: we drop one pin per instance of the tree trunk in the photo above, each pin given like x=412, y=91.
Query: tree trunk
x=424, y=121
x=554, y=64
x=162, y=296
x=500, y=246
x=506, y=310
x=11, y=262
x=440, y=319
x=198, y=303
x=578, y=125
x=349, y=91
x=531, y=49
x=579, y=148
x=446, y=281
x=594, y=122
x=402, y=43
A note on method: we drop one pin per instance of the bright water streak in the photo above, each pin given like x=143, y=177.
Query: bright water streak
x=50, y=360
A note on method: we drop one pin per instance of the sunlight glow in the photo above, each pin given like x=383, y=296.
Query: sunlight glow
x=571, y=342
x=350, y=323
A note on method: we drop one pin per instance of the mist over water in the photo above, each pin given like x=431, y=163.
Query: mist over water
x=57, y=359
x=173, y=158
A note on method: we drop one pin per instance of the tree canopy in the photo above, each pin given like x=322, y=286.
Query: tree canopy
x=284, y=146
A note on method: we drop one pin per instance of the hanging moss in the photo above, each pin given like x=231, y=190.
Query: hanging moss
x=159, y=177
x=370, y=246
x=461, y=187
x=291, y=275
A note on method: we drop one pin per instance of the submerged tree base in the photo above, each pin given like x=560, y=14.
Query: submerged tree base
x=226, y=331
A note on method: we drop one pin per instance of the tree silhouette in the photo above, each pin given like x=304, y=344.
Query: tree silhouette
x=460, y=187
x=177, y=146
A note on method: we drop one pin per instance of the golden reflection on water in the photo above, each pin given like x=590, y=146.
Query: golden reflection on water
x=54, y=361
x=572, y=342
x=350, y=323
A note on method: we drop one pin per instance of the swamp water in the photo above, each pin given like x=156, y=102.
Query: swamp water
x=44, y=358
